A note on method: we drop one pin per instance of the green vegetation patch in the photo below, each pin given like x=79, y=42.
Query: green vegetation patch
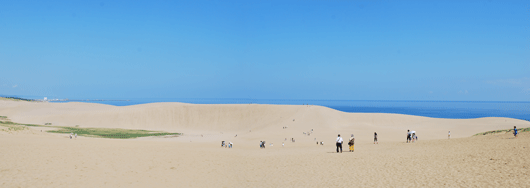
x=89, y=132
x=10, y=126
x=503, y=131
x=110, y=133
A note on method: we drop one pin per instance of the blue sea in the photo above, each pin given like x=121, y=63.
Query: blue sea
x=436, y=109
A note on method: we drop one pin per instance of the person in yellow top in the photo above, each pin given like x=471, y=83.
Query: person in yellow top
x=351, y=143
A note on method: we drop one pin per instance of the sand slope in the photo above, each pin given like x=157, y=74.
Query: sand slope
x=250, y=121
x=28, y=160
x=35, y=159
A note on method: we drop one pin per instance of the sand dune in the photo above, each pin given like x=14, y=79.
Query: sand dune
x=263, y=120
x=35, y=159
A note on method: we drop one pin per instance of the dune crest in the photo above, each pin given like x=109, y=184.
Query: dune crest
x=244, y=118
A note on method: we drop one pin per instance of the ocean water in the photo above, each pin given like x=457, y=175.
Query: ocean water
x=436, y=109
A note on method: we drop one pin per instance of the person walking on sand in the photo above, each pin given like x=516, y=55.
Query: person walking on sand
x=76, y=136
x=375, y=138
x=351, y=143
x=409, y=136
x=339, y=143
x=449, y=135
x=515, y=131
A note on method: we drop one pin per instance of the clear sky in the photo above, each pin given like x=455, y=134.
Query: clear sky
x=263, y=49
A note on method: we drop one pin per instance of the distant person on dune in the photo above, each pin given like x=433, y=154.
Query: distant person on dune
x=351, y=143
x=515, y=131
x=339, y=143
x=75, y=135
x=230, y=144
x=375, y=138
x=409, y=136
x=449, y=135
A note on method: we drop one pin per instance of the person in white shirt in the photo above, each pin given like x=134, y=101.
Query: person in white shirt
x=339, y=143
x=449, y=135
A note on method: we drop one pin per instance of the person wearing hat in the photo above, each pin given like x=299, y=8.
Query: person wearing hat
x=339, y=143
x=351, y=143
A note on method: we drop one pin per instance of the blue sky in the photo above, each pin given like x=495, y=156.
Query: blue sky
x=352, y=50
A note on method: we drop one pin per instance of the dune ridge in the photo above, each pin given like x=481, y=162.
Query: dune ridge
x=242, y=119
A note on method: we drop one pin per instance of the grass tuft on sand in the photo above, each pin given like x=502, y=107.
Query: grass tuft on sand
x=520, y=130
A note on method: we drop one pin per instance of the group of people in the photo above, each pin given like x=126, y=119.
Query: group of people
x=339, y=142
x=224, y=144
x=71, y=135
x=411, y=136
x=308, y=133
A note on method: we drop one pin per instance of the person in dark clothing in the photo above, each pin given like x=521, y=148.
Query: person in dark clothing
x=339, y=143
x=409, y=136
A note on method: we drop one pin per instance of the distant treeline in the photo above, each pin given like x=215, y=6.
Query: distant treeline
x=18, y=98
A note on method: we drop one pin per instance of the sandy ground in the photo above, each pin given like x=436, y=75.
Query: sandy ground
x=37, y=159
